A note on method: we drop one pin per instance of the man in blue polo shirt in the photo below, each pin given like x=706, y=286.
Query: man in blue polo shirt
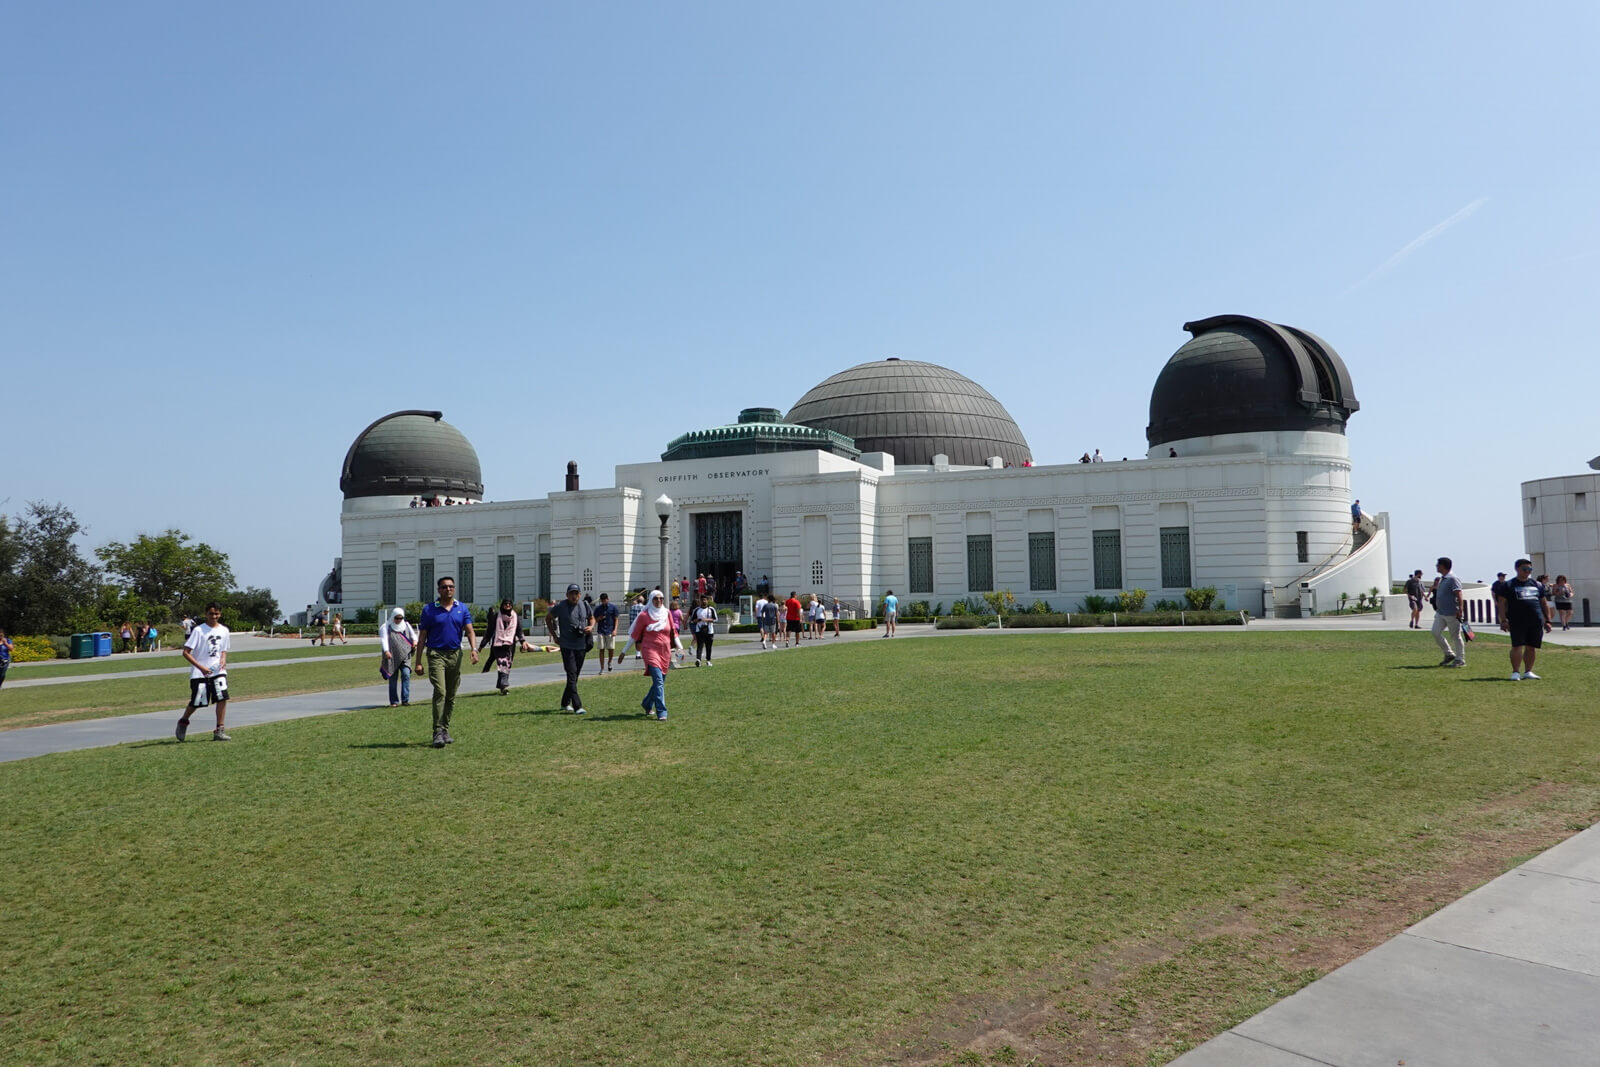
x=442, y=626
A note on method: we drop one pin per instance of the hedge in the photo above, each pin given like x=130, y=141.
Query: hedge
x=844, y=624
x=1080, y=620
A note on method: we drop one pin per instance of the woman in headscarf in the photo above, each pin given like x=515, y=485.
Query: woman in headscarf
x=503, y=635
x=653, y=633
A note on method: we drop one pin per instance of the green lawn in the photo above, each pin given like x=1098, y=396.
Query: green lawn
x=154, y=661
x=36, y=704
x=849, y=855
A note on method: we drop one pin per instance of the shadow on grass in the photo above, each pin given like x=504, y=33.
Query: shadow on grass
x=395, y=744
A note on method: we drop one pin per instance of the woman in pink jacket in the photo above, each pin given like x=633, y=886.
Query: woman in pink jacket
x=653, y=633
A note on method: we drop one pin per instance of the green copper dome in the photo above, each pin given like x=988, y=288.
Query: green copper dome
x=758, y=430
x=410, y=453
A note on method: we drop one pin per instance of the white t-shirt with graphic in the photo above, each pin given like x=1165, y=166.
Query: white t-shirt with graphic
x=207, y=643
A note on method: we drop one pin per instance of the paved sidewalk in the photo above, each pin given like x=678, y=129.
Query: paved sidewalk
x=1507, y=975
x=103, y=676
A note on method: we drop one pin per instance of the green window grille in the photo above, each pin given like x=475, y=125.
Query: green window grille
x=1041, y=561
x=506, y=577
x=1108, y=559
x=1302, y=546
x=919, y=552
x=544, y=576
x=390, y=583
x=980, y=563
x=1175, y=557
x=464, y=579
x=425, y=591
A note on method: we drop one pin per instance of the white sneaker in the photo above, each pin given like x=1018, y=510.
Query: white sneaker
x=1529, y=676
x=566, y=707
x=1515, y=677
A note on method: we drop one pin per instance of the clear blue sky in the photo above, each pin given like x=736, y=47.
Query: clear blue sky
x=233, y=235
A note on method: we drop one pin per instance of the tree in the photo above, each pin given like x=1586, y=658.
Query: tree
x=255, y=606
x=44, y=580
x=168, y=570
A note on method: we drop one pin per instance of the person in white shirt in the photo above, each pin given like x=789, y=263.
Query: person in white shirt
x=206, y=649
x=705, y=630
x=398, y=640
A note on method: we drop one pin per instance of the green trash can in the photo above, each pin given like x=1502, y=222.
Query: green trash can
x=82, y=646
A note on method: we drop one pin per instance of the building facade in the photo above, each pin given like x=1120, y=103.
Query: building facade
x=907, y=476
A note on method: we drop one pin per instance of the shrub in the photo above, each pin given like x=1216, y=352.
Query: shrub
x=413, y=611
x=961, y=621
x=957, y=609
x=34, y=649
x=1039, y=607
x=1035, y=619
x=1093, y=604
x=365, y=615
x=938, y=609
x=1001, y=602
x=1201, y=598
x=1131, y=600
x=916, y=607
x=1167, y=605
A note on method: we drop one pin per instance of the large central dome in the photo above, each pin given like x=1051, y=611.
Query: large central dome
x=409, y=453
x=914, y=411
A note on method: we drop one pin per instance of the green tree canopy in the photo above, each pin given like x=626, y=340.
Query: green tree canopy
x=44, y=580
x=167, y=569
x=258, y=607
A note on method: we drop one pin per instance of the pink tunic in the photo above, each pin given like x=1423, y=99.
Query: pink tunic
x=655, y=646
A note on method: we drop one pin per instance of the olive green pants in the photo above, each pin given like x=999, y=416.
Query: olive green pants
x=444, y=674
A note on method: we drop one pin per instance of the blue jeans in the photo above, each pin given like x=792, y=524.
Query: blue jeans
x=400, y=685
x=656, y=699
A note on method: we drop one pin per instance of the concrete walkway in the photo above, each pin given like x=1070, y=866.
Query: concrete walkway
x=1507, y=975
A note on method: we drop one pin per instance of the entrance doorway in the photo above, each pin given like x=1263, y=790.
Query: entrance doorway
x=719, y=549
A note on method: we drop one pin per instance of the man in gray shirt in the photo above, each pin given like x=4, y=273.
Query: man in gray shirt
x=1448, y=608
x=571, y=624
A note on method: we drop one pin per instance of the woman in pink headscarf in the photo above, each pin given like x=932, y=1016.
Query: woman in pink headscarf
x=653, y=632
x=503, y=635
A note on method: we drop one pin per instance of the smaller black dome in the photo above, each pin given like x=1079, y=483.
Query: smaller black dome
x=409, y=453
x=1242, y=375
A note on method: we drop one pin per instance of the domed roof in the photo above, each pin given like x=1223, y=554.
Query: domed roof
x=409, y=453
x=914, y=411
x=758, y=430
x=1240, y=375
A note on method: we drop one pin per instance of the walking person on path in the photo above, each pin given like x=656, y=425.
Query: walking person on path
x=571, y=626
x=338, y=629
x=678, y=630
x=792, y=627
x=705, y=630
x=398, y=640
x=767, y=622
x=634, y=610
x=1562, y=591
x=1522, y=615
x=207, y=653
x=891, y=613
x=605, y=632
x=1448, y=608
x=1414, y=598
x=655, y=635
x=442, y=626
x=5, y=656
x=505, y=634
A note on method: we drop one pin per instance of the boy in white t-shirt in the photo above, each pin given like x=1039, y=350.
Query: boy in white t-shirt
x=207, y=652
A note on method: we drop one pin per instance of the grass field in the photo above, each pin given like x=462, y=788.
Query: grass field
x=974, y=849
x=33, y=705
x=154, y=661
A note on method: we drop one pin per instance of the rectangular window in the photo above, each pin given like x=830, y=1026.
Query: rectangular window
x=1041, y=561
x=464, y=579
x=980, y=562
x=1108, y=559
x=390, y=592
x=1175, y=557
x=544, y=576
x=1302, y=546
x=506, y=577
x=1580, y=501
x=919, y=555
x=425, y=590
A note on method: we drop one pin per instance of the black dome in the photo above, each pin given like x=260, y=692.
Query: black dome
x=1241, y=375
x=914, y=411
x=410, y=453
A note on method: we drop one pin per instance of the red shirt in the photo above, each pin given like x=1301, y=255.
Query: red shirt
x=791, y=610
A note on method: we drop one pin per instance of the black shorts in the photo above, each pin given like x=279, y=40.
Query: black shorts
x=1526, y=633
x=795, y=627
x=1563, y=605
x=1416, y=603
x=209, y=690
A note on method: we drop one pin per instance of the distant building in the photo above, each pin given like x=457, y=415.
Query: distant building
x=909, y=476
x=1561, y=528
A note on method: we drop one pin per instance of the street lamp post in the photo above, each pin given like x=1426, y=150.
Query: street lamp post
x=664, y=512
